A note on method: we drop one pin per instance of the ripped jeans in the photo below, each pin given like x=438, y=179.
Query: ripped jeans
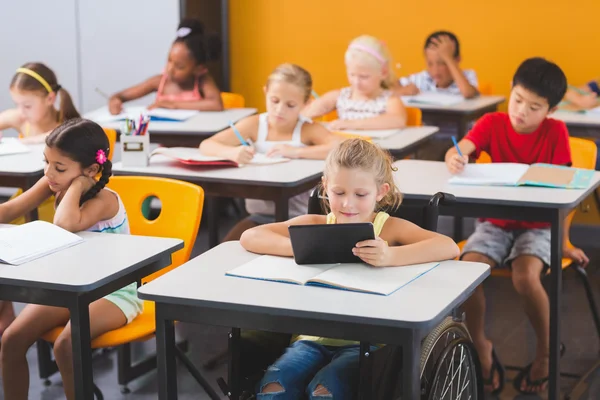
x=306, y=365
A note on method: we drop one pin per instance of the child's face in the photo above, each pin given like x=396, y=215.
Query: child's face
x=364, y=79
x=181, y=66
x=353, y=194
x=526, y=109
x=60, y=170
x=437, y=68
x=284, y=102
x=33, y=106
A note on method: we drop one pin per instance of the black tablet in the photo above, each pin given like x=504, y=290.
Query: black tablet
x=328, y=243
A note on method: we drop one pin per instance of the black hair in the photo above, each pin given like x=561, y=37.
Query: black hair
x=437, y=34
x=203, y=47
x=543, y=78
x=81, y=140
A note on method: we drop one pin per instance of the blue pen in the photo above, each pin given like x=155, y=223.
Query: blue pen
x=238, y=134
x=456, y=146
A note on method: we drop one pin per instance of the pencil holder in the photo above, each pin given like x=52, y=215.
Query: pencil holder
x=135, y=150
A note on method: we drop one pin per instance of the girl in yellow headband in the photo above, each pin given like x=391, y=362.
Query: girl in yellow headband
x=35, y=89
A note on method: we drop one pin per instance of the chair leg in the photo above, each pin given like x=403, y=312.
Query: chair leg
x=589, y=294
x=46, y=365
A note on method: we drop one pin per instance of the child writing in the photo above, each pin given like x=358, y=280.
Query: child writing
x=367, y=103
x=523, y=135
x=281, y=131
x=358, y=183
x=443, y=73
x=185, y=82
x=75, y=153
x=34, y=89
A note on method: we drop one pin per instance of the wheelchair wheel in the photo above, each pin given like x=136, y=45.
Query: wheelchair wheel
x=449, y=361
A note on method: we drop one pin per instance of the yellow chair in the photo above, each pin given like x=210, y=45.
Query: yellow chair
x=179, y=217
x=583, y=155
x=46, y=209
x=414, y=116
x=485, y=88
x=232, y=100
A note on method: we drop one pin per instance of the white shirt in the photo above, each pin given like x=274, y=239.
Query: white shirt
x=425, y=83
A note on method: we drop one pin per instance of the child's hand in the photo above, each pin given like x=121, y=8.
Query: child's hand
x=162, y=104
x=115, y=106
x=576, y=255
x=283, y=150
x=589, y=100
x=456, y=163
x=338, y=124
x=242, y=154
x=82, y=184
x=445, y=46
x=374, y=252
x=410, y=90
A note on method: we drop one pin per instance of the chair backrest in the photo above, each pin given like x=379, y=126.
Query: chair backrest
x=180, y=215
x=485, y=88
x=414, y=116
x=232, y=100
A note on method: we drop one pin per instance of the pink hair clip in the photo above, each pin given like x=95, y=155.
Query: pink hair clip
x=101, y=157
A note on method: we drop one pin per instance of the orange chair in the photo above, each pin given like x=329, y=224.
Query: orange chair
x=583, y=154
x=414, y=116
x=232, y=100
x=46, y=209
x=179, y=217
x=485, y=88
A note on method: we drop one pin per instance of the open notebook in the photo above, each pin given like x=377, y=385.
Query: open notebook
x=354, y=277
x=514, y=174
x=134, y=112
x=373, y=134
x=192, y=156
x=12, y=146
x=24, y=243
x=432, y=98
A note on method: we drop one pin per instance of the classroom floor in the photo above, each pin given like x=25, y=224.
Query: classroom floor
x=507, y=325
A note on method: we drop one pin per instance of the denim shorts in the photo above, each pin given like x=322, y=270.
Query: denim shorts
x=306, y=365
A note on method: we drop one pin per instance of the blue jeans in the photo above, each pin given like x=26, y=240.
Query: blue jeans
x=306, y=365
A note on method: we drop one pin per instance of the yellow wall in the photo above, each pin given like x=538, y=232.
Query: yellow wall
x=495, y=37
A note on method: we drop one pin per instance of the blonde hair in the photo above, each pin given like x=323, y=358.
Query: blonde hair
x=294, y=74
x=364, y=155
x=372, y=51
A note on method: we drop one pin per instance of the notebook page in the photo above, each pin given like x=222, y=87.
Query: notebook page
x=177, y=115
x=33, y=240
x=282, y=269
x=12, y=146
x=262, y=159
x=492, y=174
x=367, y=279
x=438, y=99
x=103, y=115
x=185, y=153
x=374, y=134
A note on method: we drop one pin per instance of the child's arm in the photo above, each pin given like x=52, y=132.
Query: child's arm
x=445, y=47
x=274, y=239
x=454, y=161
x=318, y=139
x=10, y=119
x=35, y=139
x=570, y=251
x=582, y=100
x=115, y=103
x=74, y=218
x=211, y=100
x=404, y=87
x=26, y=202
x=394, y=117
x=227, y=145
x=415, y=245
x=321, y=106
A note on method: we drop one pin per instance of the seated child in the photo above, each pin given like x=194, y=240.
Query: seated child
x=584, y=97
x=75, y=153
x=367, y=103
x=34, y=89
x=185, y=82
x=523, y=135
x=358, y=182
x=280, y=132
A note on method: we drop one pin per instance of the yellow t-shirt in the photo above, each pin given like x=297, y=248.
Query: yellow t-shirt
x=378, y=222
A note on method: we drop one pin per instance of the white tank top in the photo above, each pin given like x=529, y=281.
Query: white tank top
x=298, y=204
x=349, y=109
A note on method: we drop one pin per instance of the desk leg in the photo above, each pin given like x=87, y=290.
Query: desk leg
x=213, y=221
x=165, y=353
x=411, y=358
x=282, y=210
x=555, y=302
x=82, y=352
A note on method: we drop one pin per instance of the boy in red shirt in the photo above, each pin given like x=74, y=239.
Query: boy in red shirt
x=523, y=135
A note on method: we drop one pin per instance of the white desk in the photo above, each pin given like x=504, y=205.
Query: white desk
x=580, y=124
x=77, y=276
x=23, y=170
x=407, y=140
x=191, y=132
x=275, y=182
x=461, y=113
x=419, y=180
x=199, y=292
